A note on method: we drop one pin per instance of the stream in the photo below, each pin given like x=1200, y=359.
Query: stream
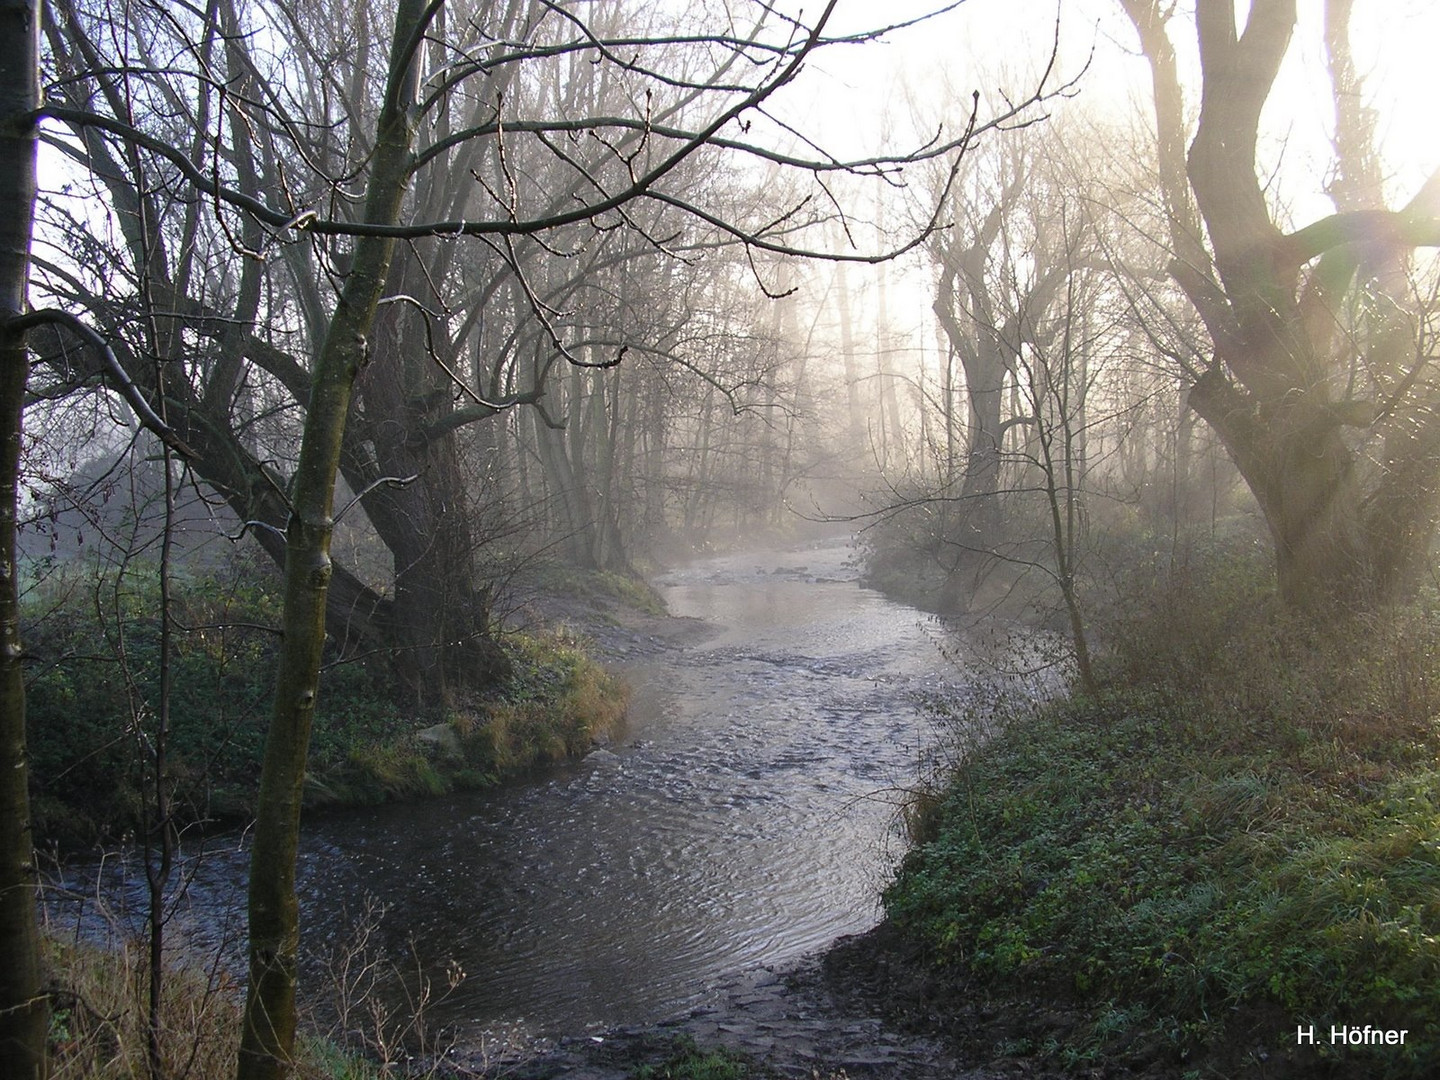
x=745, y=816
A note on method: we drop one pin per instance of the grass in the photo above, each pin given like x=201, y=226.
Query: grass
x=92, y=682
x=98, y=1027
x=688, y=1061
x=600, y=587
x=1241, y=835
x=554, y=707
x=99, y=1024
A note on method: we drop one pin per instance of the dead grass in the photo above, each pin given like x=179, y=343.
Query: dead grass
x=98, y=1029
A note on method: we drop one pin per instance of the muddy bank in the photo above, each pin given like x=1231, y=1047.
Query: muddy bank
x=867, y=1007
x=828, y=1016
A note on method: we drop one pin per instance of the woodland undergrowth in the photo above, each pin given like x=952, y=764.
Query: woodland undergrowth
x=92, y=643
x=1239, y=835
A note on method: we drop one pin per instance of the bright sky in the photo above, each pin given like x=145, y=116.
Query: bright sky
x=863, y=100
x=855, y=97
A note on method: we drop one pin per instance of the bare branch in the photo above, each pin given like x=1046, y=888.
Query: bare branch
x=113, y=369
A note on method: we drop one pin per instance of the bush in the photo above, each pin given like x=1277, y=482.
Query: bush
x=376, y=1013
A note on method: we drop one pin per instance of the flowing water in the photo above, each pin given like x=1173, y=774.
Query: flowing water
x=744, y=816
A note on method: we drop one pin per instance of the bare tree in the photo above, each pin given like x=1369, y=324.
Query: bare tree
x=1320, y=375
x=24, y=1015
x=545, y=129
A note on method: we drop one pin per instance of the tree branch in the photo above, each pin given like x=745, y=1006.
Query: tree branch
x=114, y=371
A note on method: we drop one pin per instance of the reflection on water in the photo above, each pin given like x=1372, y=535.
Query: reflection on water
x=743, y=818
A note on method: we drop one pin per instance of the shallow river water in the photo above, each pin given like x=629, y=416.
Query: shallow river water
x=746, y=815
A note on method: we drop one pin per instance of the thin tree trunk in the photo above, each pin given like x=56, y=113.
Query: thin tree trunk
x=24, y=1011
x=1060, y=488
x=655, y=479
x=159, y=864
x=947, y=391
x=893, y=440
x=574, y=518
x=268, y=1034
x=629, y=506
x=697, y=473
x=854, y=414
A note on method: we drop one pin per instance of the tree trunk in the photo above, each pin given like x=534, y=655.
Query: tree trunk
x=268, y=1033
x=892, y=434
x=854, y=414
x=654, y=478
x=24, y=1010
x=1322, y=414
x=573, y=516
x=1328, y=549
x=438, y=621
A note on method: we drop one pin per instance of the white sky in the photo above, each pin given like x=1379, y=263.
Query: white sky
x=858, y=101
x=854, y=98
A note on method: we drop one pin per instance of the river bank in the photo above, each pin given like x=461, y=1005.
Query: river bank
x=92, y=698
x=865, y=1005
x=829, y=1015
x=1224, y=862
x=677, y=898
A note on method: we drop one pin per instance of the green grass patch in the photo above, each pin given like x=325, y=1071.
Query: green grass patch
x=93, y=684
x=1241, y=836
x=689, y=1062
x=554, y=707
x=598, y=586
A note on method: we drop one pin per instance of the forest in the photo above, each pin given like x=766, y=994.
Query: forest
x=1019, y=415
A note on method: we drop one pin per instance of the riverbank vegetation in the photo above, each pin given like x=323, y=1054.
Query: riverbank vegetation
x=1235, y=838
x=1190, y=436
x=93, y=637
x=98, y=1021
x=368, y=1015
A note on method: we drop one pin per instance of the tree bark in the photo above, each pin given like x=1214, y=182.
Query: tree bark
x=1350, y=525
x=438, y=620
x=24, y=1010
